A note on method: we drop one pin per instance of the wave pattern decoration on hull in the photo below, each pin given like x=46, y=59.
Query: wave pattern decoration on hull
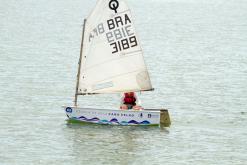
x=113, y=121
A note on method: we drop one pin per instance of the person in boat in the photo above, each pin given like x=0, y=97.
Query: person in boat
x=129, y=101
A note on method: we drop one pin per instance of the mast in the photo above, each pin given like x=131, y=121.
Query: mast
x=79, y=63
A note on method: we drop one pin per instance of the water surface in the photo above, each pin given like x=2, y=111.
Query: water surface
x=196, y=54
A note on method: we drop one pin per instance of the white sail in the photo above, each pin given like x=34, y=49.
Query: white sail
x=112, y=59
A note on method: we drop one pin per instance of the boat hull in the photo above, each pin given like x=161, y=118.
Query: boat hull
x=118, y=117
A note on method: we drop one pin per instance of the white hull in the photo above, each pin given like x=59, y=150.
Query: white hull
x=118, y=117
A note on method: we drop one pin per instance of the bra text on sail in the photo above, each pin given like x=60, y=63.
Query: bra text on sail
x=121, y=35
x=118, y=31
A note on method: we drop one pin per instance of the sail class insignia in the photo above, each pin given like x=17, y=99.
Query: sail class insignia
x=113, y=5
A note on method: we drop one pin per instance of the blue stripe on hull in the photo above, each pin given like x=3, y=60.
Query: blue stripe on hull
x=113, y=121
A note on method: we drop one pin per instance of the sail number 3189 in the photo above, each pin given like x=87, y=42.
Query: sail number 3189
x=124, y=44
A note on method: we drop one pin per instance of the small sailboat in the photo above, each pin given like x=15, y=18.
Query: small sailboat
x=111, y=61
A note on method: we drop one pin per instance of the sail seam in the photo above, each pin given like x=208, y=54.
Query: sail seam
x=116, y=76
x=115, y=59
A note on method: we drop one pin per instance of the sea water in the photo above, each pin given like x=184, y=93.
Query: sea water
x=195, y=51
